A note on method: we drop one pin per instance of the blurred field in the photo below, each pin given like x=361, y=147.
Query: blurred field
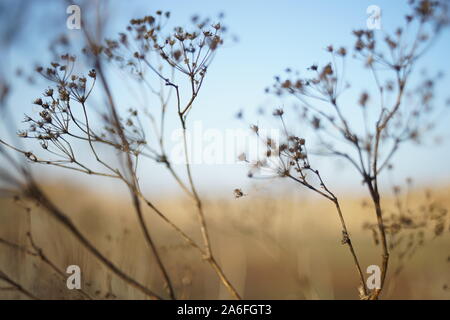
x=271, y=248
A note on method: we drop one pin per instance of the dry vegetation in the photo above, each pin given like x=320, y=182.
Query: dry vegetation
x=255, y=246
x=264, y=245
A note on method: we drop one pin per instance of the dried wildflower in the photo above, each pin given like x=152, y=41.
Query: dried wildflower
x=286, y=84
x=92, y=74
x=49, y=92
x=392, y=53
x=363, y=99
x=327, y=70
x=238, y=193
x=425, y=8
x=342, y=51
x=359, y=45
x=278, y=112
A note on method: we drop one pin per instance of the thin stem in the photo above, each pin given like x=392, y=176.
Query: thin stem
x=17, y=286
x=347, y=240
x=33, y=192
x=133, y=185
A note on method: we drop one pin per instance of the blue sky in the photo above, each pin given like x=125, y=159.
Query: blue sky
x=272, y=35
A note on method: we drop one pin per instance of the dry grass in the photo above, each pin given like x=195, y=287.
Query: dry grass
x=269, y=248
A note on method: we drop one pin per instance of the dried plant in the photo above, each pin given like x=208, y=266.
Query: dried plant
x=409, y=228
x=167, y=69
x=150, y=58
x=397, y=113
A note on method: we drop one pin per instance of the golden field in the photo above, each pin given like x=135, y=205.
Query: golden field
x=285, y=247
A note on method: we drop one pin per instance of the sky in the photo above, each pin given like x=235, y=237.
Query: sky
x=272, y=35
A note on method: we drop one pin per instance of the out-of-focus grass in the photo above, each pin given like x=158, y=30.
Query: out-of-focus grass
x=272, y=248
